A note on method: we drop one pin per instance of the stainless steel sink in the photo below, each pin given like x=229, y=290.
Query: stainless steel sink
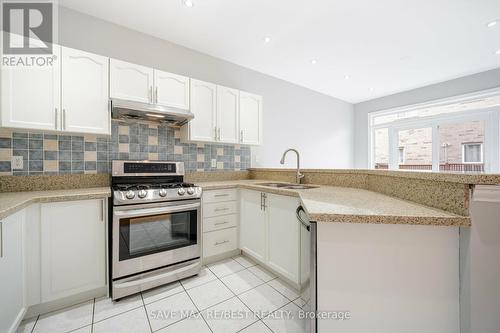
x=287, y=186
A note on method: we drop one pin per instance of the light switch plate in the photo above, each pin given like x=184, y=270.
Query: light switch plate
x=17, y=162
x=213, y=163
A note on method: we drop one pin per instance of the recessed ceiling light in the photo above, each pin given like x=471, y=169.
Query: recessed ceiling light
x=497, y=52
x=314, y=61
x=492, y=23
x=188, y=3
x=267, y=39
x=371, y=89
x=347, y=77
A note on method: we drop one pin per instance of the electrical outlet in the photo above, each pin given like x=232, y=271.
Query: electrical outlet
x=17, y=162
x=213, y=163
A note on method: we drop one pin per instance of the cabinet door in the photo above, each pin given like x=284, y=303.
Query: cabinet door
x=85, y=92
x=283, y=236
x=130, y=81
x=253, y=224
x=203, y=105
x=227, y=114
x=31, y=95
x=250, y=118
x=171, y=90
x=73, y=247
x=12, y=300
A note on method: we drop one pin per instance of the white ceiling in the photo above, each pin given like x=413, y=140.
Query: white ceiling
x=384, y=45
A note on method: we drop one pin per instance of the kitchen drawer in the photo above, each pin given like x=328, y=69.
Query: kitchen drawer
x=220, y=241
x=219, y=208
x=219, y=222
x=220, y=195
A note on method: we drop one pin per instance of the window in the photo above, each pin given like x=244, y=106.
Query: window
x=472, y=152
x=401, y=155
x=457, y=135
x=415, y=145
x=381, y=143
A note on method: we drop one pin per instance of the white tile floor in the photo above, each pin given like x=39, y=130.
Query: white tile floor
x=198, y=304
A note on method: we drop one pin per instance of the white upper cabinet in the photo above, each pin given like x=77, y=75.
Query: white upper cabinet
x=171, y=90
x=84, y=92
x=227, y=114
x=250, y=119
x=73, y=248
x=204, y=108
x=130, y=81
x=30, y=96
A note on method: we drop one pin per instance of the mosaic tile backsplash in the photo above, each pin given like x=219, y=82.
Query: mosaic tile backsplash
x=48, y=153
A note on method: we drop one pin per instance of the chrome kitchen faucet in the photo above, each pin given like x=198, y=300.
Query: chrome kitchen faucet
x=299, y=175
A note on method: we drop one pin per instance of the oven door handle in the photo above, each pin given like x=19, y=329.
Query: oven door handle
x=154, y=211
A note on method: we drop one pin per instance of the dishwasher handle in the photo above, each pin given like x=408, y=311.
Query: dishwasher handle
x=305, y=224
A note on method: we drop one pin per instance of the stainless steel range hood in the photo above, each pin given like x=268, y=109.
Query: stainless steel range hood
x=129, y=110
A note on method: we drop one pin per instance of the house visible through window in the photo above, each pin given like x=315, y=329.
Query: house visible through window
x=472, y=152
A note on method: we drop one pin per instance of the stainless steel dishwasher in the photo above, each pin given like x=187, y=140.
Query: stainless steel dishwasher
x=308, y=267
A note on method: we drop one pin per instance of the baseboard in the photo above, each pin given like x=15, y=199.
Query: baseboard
x=222, y=256
x=19, y=318
x=65, y=302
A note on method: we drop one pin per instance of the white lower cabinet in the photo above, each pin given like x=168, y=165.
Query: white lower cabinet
x=220, y=223
x=283, y=236
x=73, y=248
x=270, y=232
x=12, y=275
x=219, y=242
x=253, y=224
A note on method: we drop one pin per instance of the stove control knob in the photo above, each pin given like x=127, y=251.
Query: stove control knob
x=130, y=194
x=181, y=191
x=190, y=191
x=162, y=192
x=142, y=194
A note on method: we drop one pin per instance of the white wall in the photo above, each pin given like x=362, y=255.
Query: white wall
x=321, y=127
x=468, y=84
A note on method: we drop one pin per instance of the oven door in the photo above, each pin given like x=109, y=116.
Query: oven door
x=151, y=236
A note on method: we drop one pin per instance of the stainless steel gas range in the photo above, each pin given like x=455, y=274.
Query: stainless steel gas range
x=155, y=228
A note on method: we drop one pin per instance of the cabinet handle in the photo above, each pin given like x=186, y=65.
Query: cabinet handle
x=221, y=223
x=102, y=210
x=261, y=200
x=63, y=119
x=265, y=203
x=241, y=136
x=151, y=94
x=56, y=120
x=215, y=130
x=1, y=239
x=221, y=195
x=221, y=209
x=218, y=134
x=220, y=243
x=156, y=95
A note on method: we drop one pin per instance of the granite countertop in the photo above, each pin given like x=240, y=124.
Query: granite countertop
x=352, y=205
x=11, y=202
x=322, y=203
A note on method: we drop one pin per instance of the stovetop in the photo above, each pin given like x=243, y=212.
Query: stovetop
x=146, y=186
x=124, y=194
x=142, y=182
